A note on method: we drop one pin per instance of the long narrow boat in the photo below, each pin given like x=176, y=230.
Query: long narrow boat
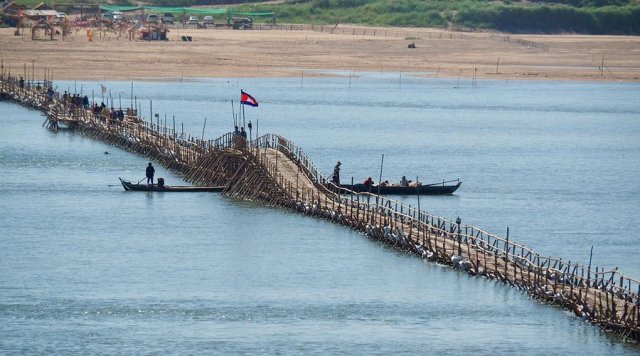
x=128, y=186
x=442, y=188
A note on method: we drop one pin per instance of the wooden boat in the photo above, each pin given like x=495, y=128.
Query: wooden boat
x=422, y=189
x=128, y=186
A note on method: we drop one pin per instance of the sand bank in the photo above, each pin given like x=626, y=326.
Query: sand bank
x=259, y=53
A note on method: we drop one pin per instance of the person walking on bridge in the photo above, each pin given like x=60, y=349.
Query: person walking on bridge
x=150, y=172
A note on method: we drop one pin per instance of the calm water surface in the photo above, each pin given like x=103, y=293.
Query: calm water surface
x=88, y=268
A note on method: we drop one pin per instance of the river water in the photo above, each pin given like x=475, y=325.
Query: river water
x=87, y=268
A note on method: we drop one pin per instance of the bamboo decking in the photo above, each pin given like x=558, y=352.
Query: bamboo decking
x=273, y=170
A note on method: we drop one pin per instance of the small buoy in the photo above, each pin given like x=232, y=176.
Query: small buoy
x=106, y=152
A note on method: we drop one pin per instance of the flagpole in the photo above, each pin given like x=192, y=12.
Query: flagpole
x=243, y=116
x=233, y=114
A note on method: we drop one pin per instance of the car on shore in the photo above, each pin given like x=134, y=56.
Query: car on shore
x=167, y=18
x=152, y=18
x=60, y=17
x=193, y=20
x=117, y=15
x=242, y=23
x=208, y=20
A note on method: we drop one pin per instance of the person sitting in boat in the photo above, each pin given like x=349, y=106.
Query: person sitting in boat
x=150, y=173
x=336, y=174
x=384, y=184
x=368, y=182
x=404, y=182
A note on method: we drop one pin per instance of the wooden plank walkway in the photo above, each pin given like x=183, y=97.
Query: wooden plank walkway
x=273, y=170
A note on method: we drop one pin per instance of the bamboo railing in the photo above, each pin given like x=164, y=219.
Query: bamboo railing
x=274, y=170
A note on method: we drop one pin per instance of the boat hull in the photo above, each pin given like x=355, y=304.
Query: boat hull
x=128, y=186
x=429, y=189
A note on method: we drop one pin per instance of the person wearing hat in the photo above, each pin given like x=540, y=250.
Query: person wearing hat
x=336, y=174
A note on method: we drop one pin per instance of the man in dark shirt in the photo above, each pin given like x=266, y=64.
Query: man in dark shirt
x=336, y=174
x=150, y=173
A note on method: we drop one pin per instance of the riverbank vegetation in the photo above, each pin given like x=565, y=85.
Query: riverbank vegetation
x=563, y=16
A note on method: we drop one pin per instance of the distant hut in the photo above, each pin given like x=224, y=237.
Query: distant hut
x=11, y=13
x=43, y=26
x=40, y=15
x=43, y=6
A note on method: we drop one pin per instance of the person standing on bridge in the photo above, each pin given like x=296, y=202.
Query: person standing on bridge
x=150, y=172
x=336, y=174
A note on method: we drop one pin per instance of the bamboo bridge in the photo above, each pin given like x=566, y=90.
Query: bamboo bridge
x=273, y=170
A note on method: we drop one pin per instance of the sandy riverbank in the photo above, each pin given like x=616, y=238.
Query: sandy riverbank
x=232, y=53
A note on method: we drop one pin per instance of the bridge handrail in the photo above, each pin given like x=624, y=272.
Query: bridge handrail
x=513, y=251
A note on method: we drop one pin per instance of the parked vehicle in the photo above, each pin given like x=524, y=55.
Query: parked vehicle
x=107, y=16
x=193, y=20
x=242, y=23
x=208, y=20
x=152, y=18
x=167, y=18
x=60, y=17
x=117, y=16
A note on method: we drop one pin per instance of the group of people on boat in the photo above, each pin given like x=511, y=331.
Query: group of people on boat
x=335, y=178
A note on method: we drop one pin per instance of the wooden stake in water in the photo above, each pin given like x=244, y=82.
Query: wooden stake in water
x=380, y=179
x=418, y=195
x=203, y=126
